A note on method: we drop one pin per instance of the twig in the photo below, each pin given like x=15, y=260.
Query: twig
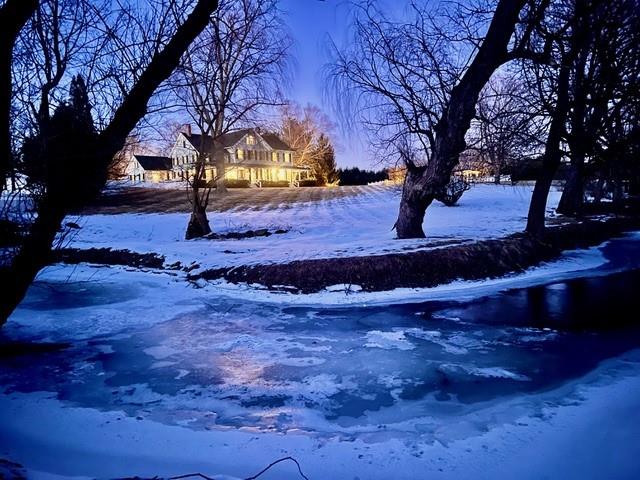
x=275, y=463
x=268, y=467
x=192, y=475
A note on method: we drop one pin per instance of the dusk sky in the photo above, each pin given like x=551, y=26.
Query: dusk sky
x=312, y=22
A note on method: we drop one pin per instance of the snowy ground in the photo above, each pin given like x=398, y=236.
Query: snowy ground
x=478, y=380
x=354, y=225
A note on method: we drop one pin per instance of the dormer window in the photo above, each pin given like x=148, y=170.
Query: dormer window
x=251, y=140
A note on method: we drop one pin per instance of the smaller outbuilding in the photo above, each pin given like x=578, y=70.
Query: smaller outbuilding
x=148, y=168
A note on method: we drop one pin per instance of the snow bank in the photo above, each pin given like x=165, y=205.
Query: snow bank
x=571, y=264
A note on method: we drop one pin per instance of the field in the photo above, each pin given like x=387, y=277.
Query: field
x=146, y=199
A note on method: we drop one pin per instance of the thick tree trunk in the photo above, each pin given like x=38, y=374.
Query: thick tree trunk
x=572, y=199
x=538, y=205
x=456, y=119
x=14, y=14
x=198, y=224
x=413, y=205
x=496, y=172
x=551, y=159
x=33, y=256
x=221, y=186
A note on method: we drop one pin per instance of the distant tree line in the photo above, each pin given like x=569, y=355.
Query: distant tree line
x=357, y=176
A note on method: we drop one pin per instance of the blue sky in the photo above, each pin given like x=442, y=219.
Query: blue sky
x=311, y=23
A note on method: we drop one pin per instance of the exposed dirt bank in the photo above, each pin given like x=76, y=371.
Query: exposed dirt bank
x=479, y=260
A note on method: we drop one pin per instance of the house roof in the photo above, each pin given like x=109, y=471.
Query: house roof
x=229, y=139
x=149, y=162
x=275, y=141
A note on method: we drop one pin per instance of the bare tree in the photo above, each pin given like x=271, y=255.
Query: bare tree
x=418, y=83
x=308, y=131
x=573, y=95
x=567, y=34
x=604, y=85
x=73, y=141
x=233, y=71
x=507, y=126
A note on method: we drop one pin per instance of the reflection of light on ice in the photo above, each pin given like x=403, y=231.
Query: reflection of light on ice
x=241, y=369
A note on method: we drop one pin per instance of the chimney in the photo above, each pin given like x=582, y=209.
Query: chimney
x=186, y=129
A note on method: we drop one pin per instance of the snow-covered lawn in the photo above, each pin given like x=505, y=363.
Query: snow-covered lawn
x=349, y=226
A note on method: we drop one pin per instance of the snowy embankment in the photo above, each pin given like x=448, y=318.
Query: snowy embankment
x=345, y=227
x=351, y=226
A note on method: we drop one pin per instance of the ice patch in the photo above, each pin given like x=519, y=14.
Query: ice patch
x=388, y=340
x=486, y=372
x=344, y=287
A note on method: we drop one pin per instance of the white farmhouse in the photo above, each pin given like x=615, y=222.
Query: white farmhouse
x=251, y=157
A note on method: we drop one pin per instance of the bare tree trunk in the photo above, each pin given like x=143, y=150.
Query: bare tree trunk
x=34, y=254
x=412, y=207
x=456, y=120
x=221, y=186
x=551, y=159
x=497, y=173
x=14, y=14
x=198, y=223
x=572, y=199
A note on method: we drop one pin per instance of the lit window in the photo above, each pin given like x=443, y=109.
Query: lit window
x=274, y=156
x=251, y=140
x=240, y=154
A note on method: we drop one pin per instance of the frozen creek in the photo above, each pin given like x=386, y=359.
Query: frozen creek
x=224, y=385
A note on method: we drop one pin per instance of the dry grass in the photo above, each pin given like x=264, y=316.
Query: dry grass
x=153, y=200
